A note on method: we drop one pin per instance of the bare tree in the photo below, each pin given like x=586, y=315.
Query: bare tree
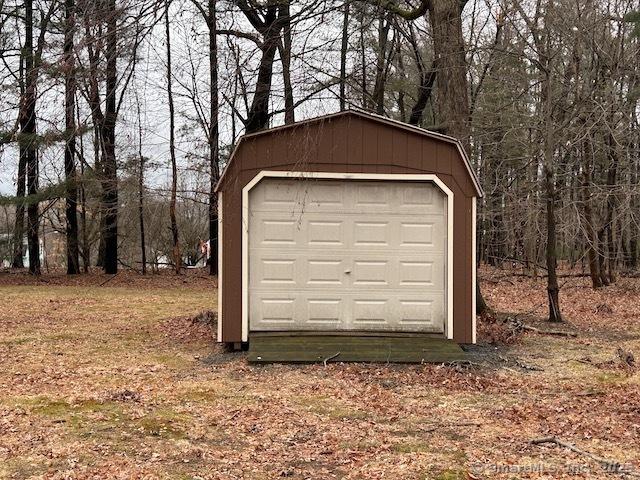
x=73, y=264
x=177, y=258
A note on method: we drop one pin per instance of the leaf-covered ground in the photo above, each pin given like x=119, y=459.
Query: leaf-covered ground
x=118, y=381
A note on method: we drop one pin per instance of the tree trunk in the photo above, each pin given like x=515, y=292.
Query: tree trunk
x=110, y=180
x=73, y=264
x=592, y=239
x=634, y=204
x=612, y=175
x=549, y=142
x=343, y=55
x=552, y=279
x=214, y=169
x=427, y=79
x=258, y=116
x=285, y=56
x=28, y=138
x=18, y=229
x=549, y=183
x=86, y=252
x=143, y=247
x=452, y=88
x=363, y=61
x=381, y=67
x=177, y=260
x=451, y=84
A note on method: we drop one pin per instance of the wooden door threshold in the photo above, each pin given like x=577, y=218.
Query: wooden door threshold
x=318, y=348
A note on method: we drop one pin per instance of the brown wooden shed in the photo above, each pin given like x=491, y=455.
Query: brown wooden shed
x=344, y=224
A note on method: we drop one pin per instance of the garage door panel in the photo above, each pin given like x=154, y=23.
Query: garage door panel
x=277, y=232
x=421, y=313
x=371, y=272
x=324, y=311
x=308, y=196
x=416, y=273
x=323, y=233
x=327, y=271
x=277, y=271
x=324, y=194
x=370, y=233
x=368, y=195
x=335, y=310
x=277, y=312
x=371, y=313
x=347, y=255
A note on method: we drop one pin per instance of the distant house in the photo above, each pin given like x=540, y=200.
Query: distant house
x=6, y=250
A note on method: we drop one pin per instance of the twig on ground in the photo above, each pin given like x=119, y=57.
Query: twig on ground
x=560, y=333
x=330, y=358
x=518, y=325
x=611, y=466
x=108, y=280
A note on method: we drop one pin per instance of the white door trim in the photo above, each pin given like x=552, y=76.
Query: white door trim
x=474, y=267
x=343, y=176
x=220, y=262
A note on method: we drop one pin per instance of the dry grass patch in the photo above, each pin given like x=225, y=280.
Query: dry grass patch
x=123, y=381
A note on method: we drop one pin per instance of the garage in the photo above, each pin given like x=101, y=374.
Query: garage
x=365, y=255
x=349, y=225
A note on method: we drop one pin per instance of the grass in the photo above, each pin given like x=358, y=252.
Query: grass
x=111, y=382
x=410, y=447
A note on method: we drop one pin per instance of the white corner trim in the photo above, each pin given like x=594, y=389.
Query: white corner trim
x=474, y=267
x=220, y=262
x=344, y=176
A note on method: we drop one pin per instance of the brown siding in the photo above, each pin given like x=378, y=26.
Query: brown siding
x=352, y=144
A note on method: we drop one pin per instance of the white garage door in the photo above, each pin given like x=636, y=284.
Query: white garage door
x=347, y=255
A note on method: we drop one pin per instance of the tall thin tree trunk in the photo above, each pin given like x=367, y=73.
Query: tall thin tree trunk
x=177, y=260
x=28, y=134
x=285, y=55
x=86, y=251
x=549, y=147
x=381, y=67
x=403, y=77
x=98, y=167
x=18, y=229
x=592, y=239
x=73, y=266
x=343, y=55
x=634, y=203
x=612, y=175
x=553, y=290
x=110, y=180
x=143, y=247
x=363, y=61
x=214, y=171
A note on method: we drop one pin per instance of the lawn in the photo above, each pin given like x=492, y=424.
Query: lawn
x=118, y=381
